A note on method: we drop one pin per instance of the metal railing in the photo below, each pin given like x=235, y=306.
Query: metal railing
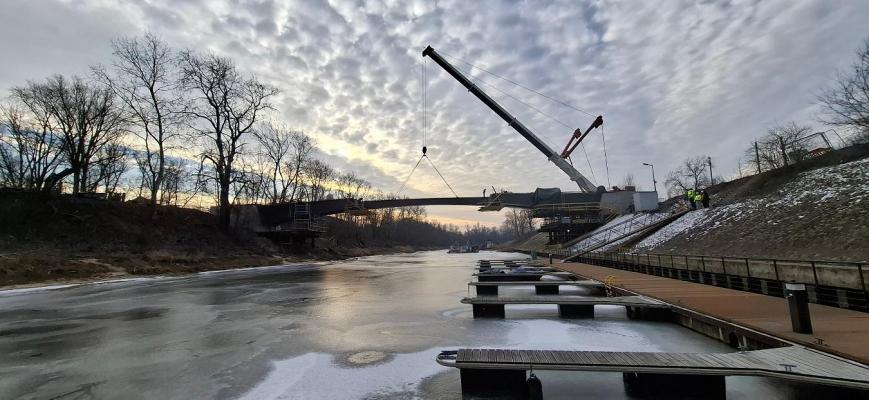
x=832, y=283
x=620, y=231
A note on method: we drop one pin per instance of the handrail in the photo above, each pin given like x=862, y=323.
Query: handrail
x=835, y=283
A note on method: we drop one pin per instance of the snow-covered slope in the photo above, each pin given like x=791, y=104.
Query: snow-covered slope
x=820, y=214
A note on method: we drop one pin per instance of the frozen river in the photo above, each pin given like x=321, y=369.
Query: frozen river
x=367, y=328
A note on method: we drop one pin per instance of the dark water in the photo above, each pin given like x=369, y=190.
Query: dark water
x=361, y=329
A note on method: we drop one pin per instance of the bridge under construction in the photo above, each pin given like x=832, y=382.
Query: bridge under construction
x=565, y=215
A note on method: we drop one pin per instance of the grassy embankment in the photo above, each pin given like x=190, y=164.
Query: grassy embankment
x=63, y=240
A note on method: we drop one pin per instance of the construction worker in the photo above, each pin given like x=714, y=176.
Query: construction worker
x=698, y=197
x=690, y=196
x=705, y=198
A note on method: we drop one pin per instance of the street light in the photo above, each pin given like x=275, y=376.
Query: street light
x=654, y=182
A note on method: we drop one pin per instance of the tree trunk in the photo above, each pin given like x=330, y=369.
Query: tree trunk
x=224, y=207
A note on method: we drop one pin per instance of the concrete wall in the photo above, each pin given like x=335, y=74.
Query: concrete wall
x=645, y=201
x=621, y=201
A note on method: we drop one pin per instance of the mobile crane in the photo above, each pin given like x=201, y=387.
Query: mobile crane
x=560, y=160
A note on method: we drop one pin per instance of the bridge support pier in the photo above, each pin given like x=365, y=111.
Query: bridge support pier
x=488, y=311
x=546, y=289
x=674, y=385
x=493, y=382
x=575, y=311
x=487, y=290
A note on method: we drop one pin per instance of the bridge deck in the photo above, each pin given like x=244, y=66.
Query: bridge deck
x=632, y=301
x=794, y=363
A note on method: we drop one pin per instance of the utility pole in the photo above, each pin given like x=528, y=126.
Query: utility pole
x=711, y=179
x=757, y=156
x=654, y=182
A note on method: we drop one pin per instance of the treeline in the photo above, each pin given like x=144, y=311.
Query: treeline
x=408, y=227
x=844, y=105
x=174, y=127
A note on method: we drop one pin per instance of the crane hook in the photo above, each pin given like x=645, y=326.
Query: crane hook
x=424, y=150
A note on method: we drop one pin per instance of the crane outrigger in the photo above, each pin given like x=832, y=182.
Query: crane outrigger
x=560, y=160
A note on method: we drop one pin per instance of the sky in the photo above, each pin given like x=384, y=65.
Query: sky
x=672, y=79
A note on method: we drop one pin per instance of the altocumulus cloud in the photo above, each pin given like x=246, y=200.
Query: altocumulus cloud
x=672, y=79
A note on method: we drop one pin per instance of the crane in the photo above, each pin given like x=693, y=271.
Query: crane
x=560, y=160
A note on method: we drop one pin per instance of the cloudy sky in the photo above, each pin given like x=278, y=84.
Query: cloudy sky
x=672, y=78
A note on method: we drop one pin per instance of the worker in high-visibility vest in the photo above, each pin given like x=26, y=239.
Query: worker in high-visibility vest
x=690, y=195
x=698, y=198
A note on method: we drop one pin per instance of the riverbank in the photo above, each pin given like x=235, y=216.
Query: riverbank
x=65, y=239
x=34, y=268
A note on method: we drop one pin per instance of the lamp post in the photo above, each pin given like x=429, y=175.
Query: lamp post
x=654, y=182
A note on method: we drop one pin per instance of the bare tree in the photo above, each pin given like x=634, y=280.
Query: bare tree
x=780, y=146
x=350, y=186
x=690, y=174
x=518, y=223
x=317, y=177
x=303, y=149
x=109, y=166
x=224, y=105
x=286, y=151
x=29, y=150
x=144, y=77
x=846, y=103
x=628, y=180
x=87, y=117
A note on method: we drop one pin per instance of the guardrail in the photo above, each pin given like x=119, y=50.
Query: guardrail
x=832, y=283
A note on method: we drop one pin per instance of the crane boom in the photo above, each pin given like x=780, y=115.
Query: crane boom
x=584, y=184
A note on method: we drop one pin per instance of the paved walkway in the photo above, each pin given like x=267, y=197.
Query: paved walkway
x=844, y=332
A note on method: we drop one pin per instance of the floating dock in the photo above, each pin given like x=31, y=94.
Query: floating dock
x=835, y=355
x=700, y=374
x=568, y=306
x=541, y=286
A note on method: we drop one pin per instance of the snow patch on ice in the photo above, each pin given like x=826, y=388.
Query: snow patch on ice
x=318, y=376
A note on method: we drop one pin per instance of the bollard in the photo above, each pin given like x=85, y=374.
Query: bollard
x=798, y=303
x=550, y=258
x=535, y=388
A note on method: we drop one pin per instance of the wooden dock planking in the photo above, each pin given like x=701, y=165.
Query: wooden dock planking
x=844, y=332
x=549, y=273
x=794, y=363
x=539, y=283
x=634, y=301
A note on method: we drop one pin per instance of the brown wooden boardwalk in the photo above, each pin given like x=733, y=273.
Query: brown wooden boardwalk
x=843, y=332
x=794, y=363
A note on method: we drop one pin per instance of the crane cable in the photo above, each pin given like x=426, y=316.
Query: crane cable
x=556, y=120
x=563, y=103
x=605, y=161
x=424, y=85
